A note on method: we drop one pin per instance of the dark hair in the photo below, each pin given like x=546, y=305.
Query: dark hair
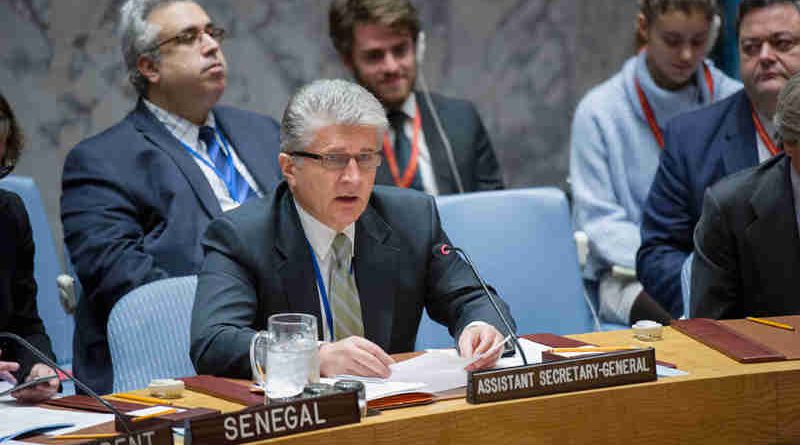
x=747, y=6
x=652, y=9
x=10, y=132
x=344, y=15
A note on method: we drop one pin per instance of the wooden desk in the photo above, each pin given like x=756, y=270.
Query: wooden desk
x=720, y=401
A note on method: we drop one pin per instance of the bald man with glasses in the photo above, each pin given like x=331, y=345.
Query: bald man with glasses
x=138, y=196
x=328, y=242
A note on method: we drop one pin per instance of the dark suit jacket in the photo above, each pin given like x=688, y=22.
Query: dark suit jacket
x=747, y=249
x=134, y=207
x=258, y=263
x=475, y=158
x=18, y=313
x=701, y=147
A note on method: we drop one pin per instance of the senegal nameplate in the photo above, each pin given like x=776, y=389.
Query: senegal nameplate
x=574, y=374
x=269, y=421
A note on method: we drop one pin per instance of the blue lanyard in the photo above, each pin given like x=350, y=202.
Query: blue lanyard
x=237, y=195
x=324, y=294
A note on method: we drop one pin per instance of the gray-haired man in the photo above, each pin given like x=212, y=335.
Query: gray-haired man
x=284, y=253
x=137, y=197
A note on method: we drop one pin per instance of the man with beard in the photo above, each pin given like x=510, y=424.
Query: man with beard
x=377, y=41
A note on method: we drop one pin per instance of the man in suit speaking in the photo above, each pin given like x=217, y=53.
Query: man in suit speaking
x=380, y=42
x=326, y=243
x=137, y=197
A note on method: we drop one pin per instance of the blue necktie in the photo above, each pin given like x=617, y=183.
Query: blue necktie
x=402, y=147
x=238, y=188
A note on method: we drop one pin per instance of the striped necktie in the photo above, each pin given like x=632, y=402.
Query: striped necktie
x=346, y=305
x=237, y=186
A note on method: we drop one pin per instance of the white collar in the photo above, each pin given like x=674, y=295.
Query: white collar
x=319, y=235
x=183, y=129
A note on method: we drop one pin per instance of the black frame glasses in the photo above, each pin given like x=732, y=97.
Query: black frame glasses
x=191, y=36
x=339, y=161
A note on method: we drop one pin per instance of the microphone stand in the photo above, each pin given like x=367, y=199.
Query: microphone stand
x=491, y=299
x=46, y=360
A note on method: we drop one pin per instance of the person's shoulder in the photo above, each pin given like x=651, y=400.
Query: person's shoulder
x=117, y=137
x=740, y=186
x=607, y=99
x=11, y=208
x=709, y=116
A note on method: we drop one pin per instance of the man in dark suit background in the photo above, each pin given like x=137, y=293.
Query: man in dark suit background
x=376, y=40
x=706, y=145
x=324, y=243
x=747, y=248
x=137, y=197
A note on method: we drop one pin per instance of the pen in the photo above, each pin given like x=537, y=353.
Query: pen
x=155, y=414
x=774, y=324
x=144, y=399
x=594, y=349
x=85, y=436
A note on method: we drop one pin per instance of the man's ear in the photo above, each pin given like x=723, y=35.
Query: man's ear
x=286, y=162
x=642, y=26
x=149, y=69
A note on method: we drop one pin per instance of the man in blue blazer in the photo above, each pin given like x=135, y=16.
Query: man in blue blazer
x=706, y=145
x=138, y=196
x=365, y=262
x=380, y=42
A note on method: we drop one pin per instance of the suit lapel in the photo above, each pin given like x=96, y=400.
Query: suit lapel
x=250, y=149
x=158, y=135
x=374, y=265
x=773, y=234
x=441, y=166
x=293, y=262
x=740, y=150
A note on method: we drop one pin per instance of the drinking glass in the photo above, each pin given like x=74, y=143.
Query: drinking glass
x=287, y=353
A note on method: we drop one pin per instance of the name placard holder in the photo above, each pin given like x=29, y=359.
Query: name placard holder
x=268, y=421
x=158, y=435
x=573, y=374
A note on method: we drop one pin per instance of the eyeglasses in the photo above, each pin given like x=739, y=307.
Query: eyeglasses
x=5, y=170
x=191, y=37
x=339, y=161
x=779, y=42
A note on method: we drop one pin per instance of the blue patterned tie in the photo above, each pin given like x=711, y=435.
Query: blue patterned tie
x=402, y=147
x=238, y=188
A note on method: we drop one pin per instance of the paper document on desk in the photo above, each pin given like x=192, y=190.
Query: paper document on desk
x=533, y=352
x=17, y=418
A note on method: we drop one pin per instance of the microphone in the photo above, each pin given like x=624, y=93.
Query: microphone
x=46, y=360
x=444, y=250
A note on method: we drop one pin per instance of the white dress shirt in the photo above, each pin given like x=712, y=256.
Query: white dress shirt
x=188, y=133
x=424, y=165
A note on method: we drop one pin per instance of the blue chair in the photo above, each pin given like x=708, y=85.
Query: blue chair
x=59, y=325
x=148, y=333
x=522, y=243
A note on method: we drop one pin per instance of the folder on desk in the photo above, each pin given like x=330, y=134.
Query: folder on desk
x=86, y=403
x=745, y=341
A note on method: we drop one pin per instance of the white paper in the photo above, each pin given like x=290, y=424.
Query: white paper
x=664, y=371
x=17, y=418
x=377, y=388
x=5, y=386
x=153, y=409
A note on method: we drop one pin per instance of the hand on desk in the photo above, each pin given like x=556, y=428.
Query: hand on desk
x=478, y=339
x=354, y=356
x=41, y=391
x=6, y=368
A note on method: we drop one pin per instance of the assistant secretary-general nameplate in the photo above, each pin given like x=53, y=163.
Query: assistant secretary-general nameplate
x=573, y=374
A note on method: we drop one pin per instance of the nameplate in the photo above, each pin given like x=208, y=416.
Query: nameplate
x=573, y=374
x=157, y=436
x=269, y=421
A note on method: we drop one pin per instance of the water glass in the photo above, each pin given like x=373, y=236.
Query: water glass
x=292, y=357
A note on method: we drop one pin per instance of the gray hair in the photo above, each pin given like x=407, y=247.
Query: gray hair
x=139, y=37
x=787, y=113
x=328, y=102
